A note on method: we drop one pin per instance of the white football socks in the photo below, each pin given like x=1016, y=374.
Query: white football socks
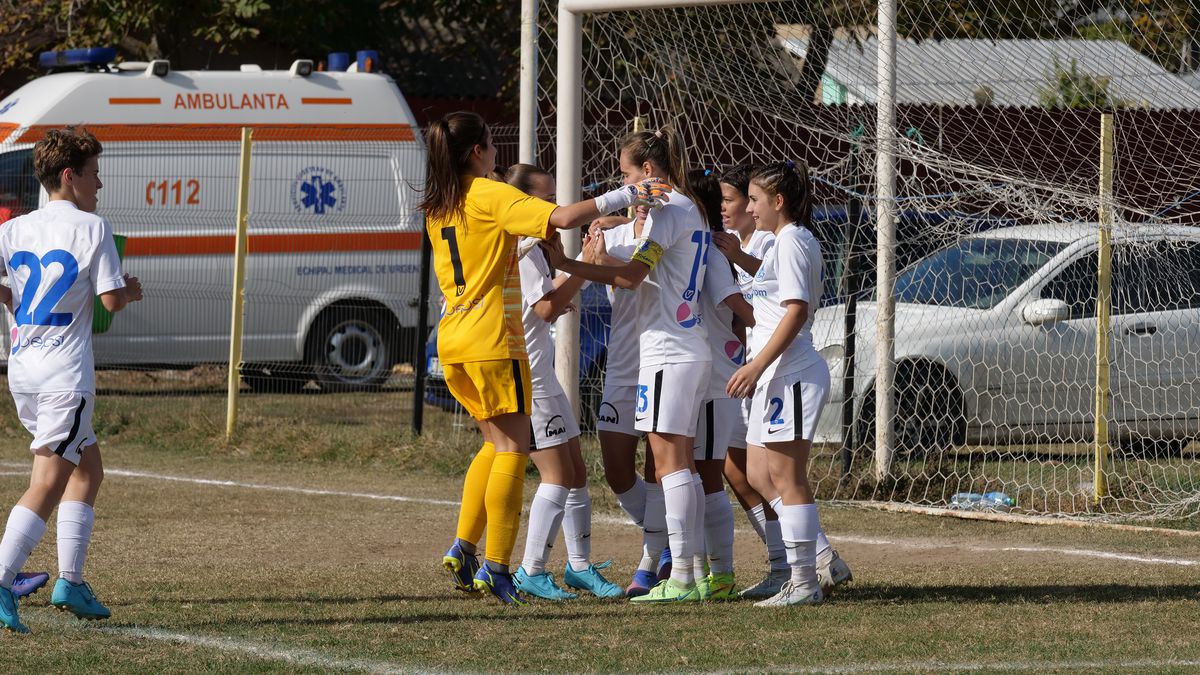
x=699, y=545
x=718, y=532
x=545, y=517
x=23, y=532
x=633, y=501
x=75, y=520
x=577, y=528
x=654, y=527
x=679, y=495
x=800, y=524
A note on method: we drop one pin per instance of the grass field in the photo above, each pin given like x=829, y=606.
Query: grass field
x=319, y=552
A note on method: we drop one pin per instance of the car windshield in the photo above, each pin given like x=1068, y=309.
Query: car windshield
x=975, y=273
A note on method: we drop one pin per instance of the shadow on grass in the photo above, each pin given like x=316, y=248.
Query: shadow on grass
x=1000, y=594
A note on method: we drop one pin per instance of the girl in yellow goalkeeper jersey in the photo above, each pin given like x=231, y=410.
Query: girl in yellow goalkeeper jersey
x=473, y=224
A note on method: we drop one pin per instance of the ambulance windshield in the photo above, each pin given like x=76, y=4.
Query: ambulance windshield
x=18, y=186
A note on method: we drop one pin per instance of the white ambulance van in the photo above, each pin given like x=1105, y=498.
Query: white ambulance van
x=333, y=272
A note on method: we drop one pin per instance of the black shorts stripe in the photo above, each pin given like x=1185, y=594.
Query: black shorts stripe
x=516, y=366
x=710, y=429
x=797, y=412
x=658, y=378
x=62, y=447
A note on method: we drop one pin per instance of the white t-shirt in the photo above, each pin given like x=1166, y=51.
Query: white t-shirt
x=727, y=351
x=621, y=369
x=791, y=270
x=536, y=282
x=668, y=300
x=57, y=259
x=760, y=243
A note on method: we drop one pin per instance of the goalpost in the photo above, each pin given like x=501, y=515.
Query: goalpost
x=980, y=367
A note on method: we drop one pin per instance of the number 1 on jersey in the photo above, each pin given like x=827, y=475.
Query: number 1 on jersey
x=451, y=237
x=701, y=238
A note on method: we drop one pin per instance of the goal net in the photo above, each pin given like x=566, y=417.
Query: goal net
x=997, y=209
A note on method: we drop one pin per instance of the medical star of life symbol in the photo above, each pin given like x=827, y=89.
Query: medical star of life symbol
x=318, y=194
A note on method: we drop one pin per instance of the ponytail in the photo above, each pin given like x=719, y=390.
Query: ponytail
x=665, y=149
x=449, y=143
x=707, y=191
x=789, y=179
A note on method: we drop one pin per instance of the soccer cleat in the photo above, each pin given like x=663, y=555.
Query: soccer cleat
x=833, y=573
x=794, y=594
x=499, y=584
x=668, y=590
x=769, y=586
x=28, y=583
x=592, y=581
x=540, y=586
x=664, y=564
x=643, y=581
x=462, y=566
x=717, y=587
x=78, y=599
x=8, y=612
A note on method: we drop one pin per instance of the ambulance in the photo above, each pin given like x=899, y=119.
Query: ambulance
x=333, y=270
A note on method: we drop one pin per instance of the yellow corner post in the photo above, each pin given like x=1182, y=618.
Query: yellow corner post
x=239, y=284
x=1103, y=307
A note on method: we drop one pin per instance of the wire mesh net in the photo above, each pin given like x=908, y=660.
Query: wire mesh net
x=997, y=204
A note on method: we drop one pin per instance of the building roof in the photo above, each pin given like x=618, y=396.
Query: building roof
x=952, y=71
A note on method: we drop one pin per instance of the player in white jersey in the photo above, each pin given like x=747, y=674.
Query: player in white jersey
x=787, y=378
x=668, y=272
x=720, y=425
x=746, y=246
x=562, y=498
x=58, y=259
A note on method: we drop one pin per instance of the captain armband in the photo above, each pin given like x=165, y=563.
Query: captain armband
x=648, y=253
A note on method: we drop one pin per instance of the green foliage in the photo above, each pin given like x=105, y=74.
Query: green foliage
x=1070, y=87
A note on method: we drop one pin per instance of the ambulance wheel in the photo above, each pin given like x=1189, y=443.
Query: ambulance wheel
x=349, y=348
x=276, y=378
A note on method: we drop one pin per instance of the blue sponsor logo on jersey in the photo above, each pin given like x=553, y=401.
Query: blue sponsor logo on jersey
x=36, y=342
x=318, y=191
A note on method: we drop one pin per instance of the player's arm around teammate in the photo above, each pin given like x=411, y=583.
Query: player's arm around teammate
x=473, y=224
x=68, y=252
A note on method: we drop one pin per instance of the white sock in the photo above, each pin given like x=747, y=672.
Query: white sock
x=545, y=517
x=758, y=521
x=633, y=501
x=23, y=532
x=699, y=546
x=718, y=532
x=654, y=527
x=577, y=528
x=75, y=520
x=680, y=498
x=776, y=554
x=799, y=524
x=824, y=548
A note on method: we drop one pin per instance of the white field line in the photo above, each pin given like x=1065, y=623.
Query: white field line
x=975, y=666
x=618, y=520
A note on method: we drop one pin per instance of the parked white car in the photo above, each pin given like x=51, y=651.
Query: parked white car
x=995, y=341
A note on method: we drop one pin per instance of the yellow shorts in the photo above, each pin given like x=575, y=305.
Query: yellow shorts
x=489, y=389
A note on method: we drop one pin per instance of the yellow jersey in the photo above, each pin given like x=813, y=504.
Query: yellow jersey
x=474, y=258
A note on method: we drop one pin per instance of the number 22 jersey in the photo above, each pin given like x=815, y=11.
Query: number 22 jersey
x=57, y=260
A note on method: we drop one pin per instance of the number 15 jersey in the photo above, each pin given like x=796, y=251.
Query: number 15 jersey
x=57, y=260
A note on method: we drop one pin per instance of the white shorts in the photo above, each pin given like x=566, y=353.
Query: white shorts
x=669, y=397
x=788, y=407
x=719, y=428
x=553, y=421
x=616, y=410
x=60, y=421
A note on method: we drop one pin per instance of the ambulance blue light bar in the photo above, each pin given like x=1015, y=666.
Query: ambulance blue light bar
x=95, y=56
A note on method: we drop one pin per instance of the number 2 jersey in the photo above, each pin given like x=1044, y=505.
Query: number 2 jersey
x=675, y=247
x=57, y=260
x=791, y=270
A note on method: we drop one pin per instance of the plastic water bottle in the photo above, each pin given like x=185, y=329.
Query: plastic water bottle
x=988, y=501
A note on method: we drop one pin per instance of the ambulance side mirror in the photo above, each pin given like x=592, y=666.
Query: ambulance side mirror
x=158, y=68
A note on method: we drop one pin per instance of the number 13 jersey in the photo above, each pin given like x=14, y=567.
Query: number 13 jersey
x=57, y=260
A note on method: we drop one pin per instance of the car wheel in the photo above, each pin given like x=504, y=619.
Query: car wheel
x=929, y=412
x=276, y=378
x=349, y=350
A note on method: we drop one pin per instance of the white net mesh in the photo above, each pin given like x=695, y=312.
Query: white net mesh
x=997, y=198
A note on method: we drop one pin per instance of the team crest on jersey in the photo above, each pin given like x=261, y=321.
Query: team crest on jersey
x=735, y=351
x=685, y=316
x=318, y=191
